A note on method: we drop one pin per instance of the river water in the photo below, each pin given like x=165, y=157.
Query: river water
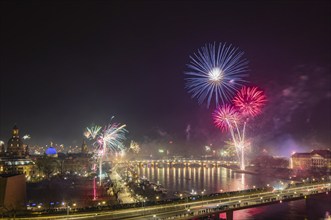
x=215, y=179
x=210, y=179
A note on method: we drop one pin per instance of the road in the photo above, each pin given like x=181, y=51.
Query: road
x=201, y=208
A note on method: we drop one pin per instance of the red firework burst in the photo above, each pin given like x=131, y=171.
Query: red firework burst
x=224, y=116
x=250, y=100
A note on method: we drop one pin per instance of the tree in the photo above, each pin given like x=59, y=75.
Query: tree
x=48, y=166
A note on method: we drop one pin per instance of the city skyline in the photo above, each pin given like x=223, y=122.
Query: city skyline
x=65, y=67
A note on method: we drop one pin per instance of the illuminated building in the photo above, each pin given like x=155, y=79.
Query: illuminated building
x=51, y=152
x=53, y=162
x=15, y=158
x=316, y=159
x=84, y=149
x=78, y=162
x=15, y=147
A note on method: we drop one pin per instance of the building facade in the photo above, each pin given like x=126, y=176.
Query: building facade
x=14, y=159
x=316, y=159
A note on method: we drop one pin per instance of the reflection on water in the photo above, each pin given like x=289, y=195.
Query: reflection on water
x=211, y=179
x=317, y=207
x=214, y=179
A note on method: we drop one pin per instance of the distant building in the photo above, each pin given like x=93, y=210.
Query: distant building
x=15, y=147
x=316, y=159
x=15, y=158
x=84, y=149
x=51, y=152
x=54, y=162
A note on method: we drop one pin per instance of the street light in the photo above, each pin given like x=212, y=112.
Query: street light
x=202, y=195
x=68, y=209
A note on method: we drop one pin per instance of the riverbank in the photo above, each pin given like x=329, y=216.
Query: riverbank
x=279, y=173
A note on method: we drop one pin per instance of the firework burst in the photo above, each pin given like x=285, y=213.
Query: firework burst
x=216, y=73
x=250, y=100
x=134, y=146
x=112, y=137
x=225, y=117
x=108, y=140
x=92, y=132
x=26, y=137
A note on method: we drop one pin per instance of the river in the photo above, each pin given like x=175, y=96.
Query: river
x=198, y=179
x=215, y=179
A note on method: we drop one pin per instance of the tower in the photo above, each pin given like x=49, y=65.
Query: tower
x=15, y=131
x=15, y=144
x=84, y=149
x=2, y=148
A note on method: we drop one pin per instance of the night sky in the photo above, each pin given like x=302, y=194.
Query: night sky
x=67, y=65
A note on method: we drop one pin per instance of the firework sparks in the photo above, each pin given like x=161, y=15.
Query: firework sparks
x=134, y=146
x=26, y=137
x=92, y=132
x=207, y=148
x=112, y=137
x=250, y=100
x=225, y=117
x=107, y=140
x=216, y=72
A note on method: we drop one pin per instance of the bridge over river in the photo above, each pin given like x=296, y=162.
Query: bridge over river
x=200, y=206
x=182, y=162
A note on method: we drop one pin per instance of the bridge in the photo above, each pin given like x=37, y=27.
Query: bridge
x=182, y=162
x=199, y=206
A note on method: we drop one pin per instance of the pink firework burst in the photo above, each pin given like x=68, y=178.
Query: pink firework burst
x=250, y=100
x=225, y=116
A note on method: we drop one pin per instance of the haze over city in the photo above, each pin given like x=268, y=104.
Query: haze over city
x=66, y=66
x=165, y=110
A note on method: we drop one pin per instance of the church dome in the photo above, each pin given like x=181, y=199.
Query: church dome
x=51, y=151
